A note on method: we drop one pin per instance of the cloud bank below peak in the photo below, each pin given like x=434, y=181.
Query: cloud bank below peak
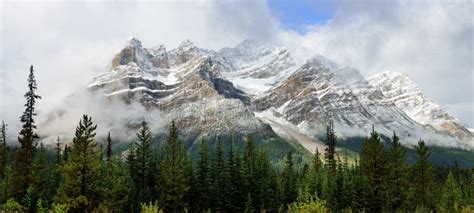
x=71, y=42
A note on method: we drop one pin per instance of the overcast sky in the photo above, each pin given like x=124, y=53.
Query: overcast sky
x=71, y=42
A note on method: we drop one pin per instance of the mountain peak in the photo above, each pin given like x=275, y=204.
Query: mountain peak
x=186, y=44
x=134, y=42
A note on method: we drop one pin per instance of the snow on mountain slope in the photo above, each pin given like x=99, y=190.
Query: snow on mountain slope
x=186, y=85
x=253, y=87
x=401, y=90
x=320, y=90
x=254, y=66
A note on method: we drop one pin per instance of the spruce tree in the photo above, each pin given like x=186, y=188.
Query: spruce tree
x=66, y=153
x=202, y=179
x=234, y=183
x=3, y=149
x=173, y=171
x=248, y=167
x=330, y=143
x=424, y=177
x=398, y=174
x=108, y=151
x=42, y=183
x=373, y=163
x=265, y=198
x=451, y=195
x=217, y=176
x=58, y=150
x=289, y=181
x=23, y=157
x=144, y=166
x=315, y=175
x=118, y=186
x=80, y=186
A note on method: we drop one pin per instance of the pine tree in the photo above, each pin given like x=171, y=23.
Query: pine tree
x=23, y=157
x=330, y=143
x=398, y=171
x=3, y=149
x=373, y=163
x=248, y=168
x=266, y=193
x=289, y=181
x=135, y=189
x=234, y=183
x=315, y=175
x=217, y=176
x=59, y=157
x=174, y=178
x=66, y=153
x=424, y=177
x=144, y=166
x=451, y=194
x=118, y=186
x=108, y=151
x=42, y=182
x=249, y=204
x=202, y=179
x=80, y=186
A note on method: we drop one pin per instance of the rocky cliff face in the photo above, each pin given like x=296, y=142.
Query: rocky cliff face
x=407, y=96
x=256, y=87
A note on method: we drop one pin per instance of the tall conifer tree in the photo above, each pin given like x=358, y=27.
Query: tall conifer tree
x=234, y=183
x=330, y=142
x=173, y=171
x=202, y=179
x=398, y=174
x=80, y=187
x=217, y=176
x=373, y=163
x=23, y=157
x=3, y=149
x=108, y=151
x=451, y=195
x=424, y=177
x=144, y=166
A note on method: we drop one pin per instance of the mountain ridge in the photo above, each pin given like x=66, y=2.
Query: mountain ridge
x=238, y=88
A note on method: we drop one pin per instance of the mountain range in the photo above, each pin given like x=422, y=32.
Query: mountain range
x=258, y=88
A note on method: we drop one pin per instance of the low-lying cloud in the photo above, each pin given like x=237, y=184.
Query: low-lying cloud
x=71, y=42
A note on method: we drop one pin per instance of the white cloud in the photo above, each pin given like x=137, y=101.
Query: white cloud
x=432, y=41
x=70, y=42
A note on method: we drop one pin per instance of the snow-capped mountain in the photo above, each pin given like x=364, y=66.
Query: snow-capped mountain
x=184, y=83
x=321, y=90
x=401, y=90
x=258, y=88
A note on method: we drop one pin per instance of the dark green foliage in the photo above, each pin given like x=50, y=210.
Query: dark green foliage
x=451, y=196
x=43, y=183
x=3, y=150
x=289, y=181
x=373, y=162
x=424, y=178
x=108, y=151
x=23, y=157
x=224, y=178
x=398, y=175
x=330, y=143
x=234, y=183
x=202, y=180
x=142, y=166
x=59, y=158
x=173, y=173
x=218, y=177
x=80, y=185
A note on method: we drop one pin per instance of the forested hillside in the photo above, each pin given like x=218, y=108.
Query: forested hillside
x=86, y=175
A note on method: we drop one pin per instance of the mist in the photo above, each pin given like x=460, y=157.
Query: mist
x=71, y=42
